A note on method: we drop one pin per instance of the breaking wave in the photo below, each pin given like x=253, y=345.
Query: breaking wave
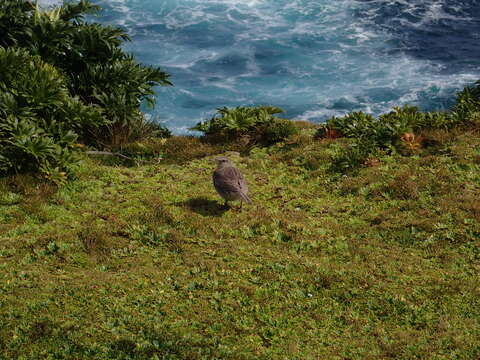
x=313, y=58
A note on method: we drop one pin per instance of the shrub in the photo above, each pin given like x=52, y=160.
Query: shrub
x=355, y=125
x=467, y=106
x=348, y=158
x=148, y=129
x=437, y=121
x=280, y=130
x=368, y=135
x=384, y=131
x=388, y=129
x=96, y=68
x=38, y=116
x=257, y=124
x=398, y=122
x=119, y=87
x=14, y=20
x=396, y=131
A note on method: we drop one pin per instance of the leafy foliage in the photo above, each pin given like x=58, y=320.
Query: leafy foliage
x=38, y=117
x=467, y=106
x=396, y=131
x=64, y=81
x=348, y=157
x=96, y=69
x=120, y=98
x=257, y=124
x=14, y=22
x=387, y=130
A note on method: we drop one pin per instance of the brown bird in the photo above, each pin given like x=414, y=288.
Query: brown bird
x=229, y=182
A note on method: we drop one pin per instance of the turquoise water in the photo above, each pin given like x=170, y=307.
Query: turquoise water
x=313, y=58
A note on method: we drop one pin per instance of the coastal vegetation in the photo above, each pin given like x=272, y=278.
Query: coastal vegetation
x=362, y=242
x=142, y=261
x=250, y=125
x=63, y=82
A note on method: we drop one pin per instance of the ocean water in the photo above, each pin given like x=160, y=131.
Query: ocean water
x=313, y=58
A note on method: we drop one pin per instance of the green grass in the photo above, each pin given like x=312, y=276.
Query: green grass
x=144, y=263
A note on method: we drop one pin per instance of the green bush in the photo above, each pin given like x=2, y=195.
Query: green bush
x=38, y=116
x=64, y=81
x=397, y=122
x=348, y=158
x=120, y=98
x=395, y=131
x=256, y=124
x=468, y=103
x=387, y=130
x=14, y=22
x=90, y=56
x=148, y=130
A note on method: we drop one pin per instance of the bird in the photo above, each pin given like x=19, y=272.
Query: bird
x=229, y=182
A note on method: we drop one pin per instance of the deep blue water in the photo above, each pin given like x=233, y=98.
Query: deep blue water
x=314, y=58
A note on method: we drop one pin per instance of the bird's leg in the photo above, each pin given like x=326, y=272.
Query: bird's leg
x=226, y=204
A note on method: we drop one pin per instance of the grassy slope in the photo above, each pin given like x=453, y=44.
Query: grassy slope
x=133, y=263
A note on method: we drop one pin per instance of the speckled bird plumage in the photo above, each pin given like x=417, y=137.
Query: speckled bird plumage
x=229, y=182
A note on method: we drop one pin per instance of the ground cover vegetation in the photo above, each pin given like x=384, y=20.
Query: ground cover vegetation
x=141, y=261
x=363, y=241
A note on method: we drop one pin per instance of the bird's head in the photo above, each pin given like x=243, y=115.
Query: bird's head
x=222, y=160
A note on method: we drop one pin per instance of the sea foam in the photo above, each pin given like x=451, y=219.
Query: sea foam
x=315, y=59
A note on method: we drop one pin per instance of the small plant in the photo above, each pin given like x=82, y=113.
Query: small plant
x=437, y=120
x=352, y=156
x=411, y=142
x=257, y=124
x=356, y=125
x=327, y=132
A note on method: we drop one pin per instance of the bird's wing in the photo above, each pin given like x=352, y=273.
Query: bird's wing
x=230, y=179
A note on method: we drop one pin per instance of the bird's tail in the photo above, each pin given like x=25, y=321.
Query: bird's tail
x=245, y=197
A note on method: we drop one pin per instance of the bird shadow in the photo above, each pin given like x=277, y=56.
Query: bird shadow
x=205, y=207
